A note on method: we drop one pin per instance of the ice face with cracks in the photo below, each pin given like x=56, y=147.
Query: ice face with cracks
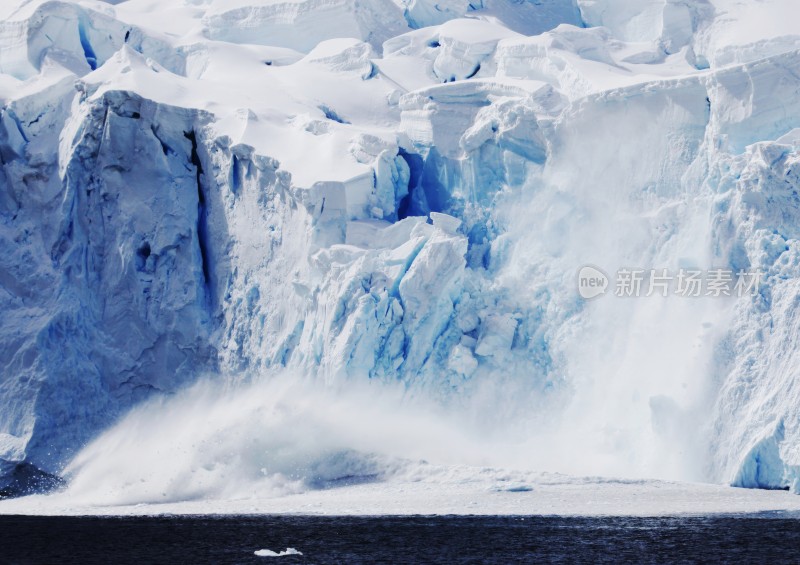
x=394, y=193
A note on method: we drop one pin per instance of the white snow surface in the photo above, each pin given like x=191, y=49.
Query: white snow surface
x=463, y=491
x=384, y=204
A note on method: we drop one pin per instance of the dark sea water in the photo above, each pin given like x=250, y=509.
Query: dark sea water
x=765, y=538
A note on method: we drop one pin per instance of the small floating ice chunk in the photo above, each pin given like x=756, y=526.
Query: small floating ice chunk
x=270, y=553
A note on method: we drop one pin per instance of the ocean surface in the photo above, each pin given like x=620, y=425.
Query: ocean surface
x=762, y=538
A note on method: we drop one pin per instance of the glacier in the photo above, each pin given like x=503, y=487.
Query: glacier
x=395, y=195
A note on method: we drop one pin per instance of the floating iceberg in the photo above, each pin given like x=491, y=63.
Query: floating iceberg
x=270, y=553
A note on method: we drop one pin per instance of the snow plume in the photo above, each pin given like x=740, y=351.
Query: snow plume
x=640, y=368
x=280, y=435
x=286, y=434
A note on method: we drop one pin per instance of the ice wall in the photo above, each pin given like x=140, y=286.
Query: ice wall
x=241, y=188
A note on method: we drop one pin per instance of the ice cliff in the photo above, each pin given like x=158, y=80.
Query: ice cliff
x=404, y=191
